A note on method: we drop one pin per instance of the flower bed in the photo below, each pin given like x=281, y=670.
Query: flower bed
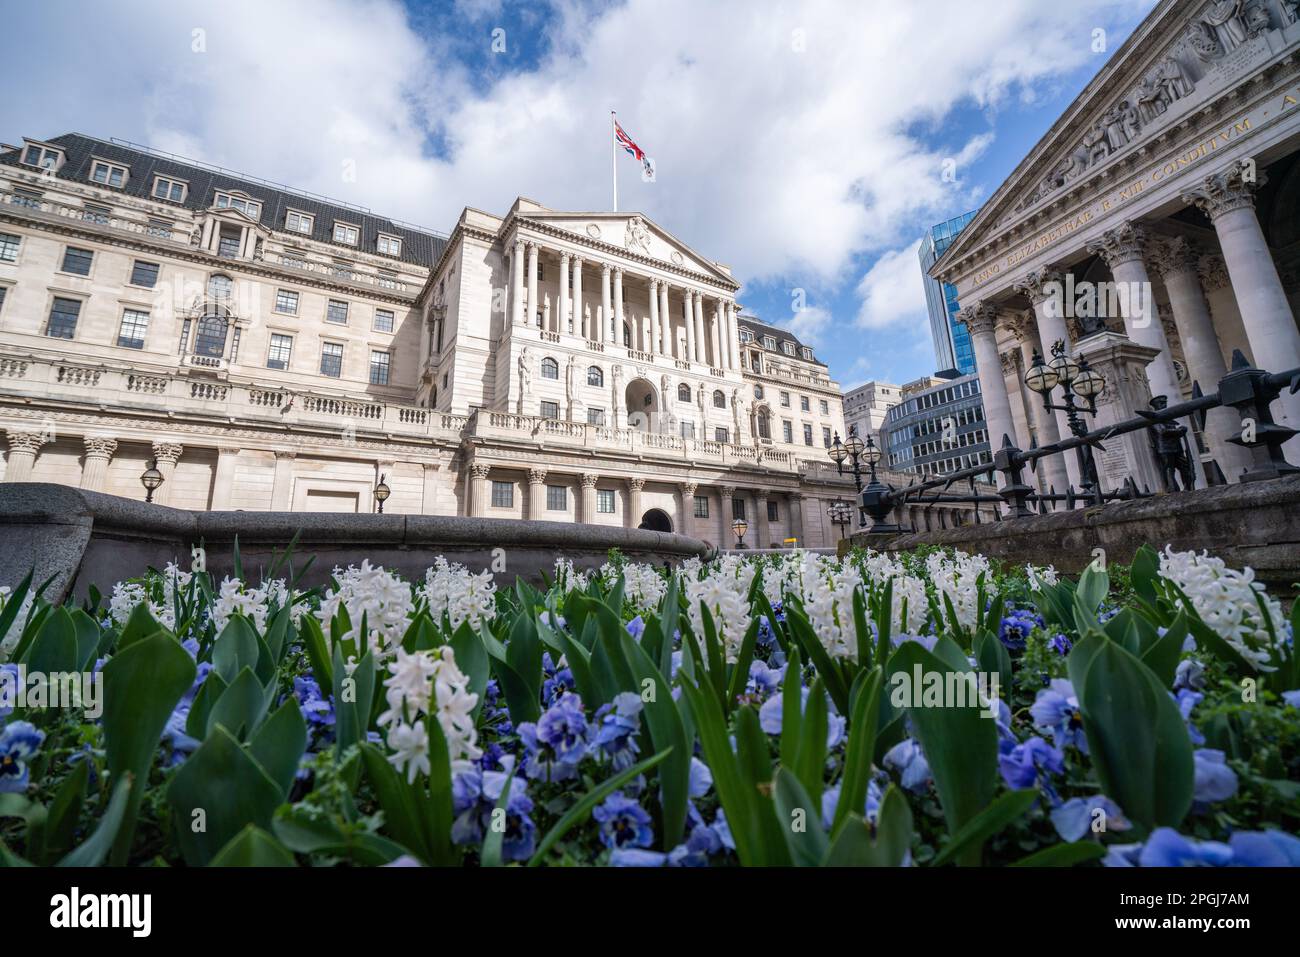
x=918, y=710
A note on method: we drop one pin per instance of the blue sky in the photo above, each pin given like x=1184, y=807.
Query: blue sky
x=801, y=143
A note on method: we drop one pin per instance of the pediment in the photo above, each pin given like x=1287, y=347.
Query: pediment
x=637, y=234
x=1176, y=61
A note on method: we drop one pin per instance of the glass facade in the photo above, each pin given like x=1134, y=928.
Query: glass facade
x=952, y=345
x=938, y=430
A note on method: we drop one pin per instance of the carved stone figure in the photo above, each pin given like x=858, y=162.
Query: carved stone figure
x=699, y=399
x=569, y=377
x=1227, y=15
x=736, y=404
x=637, y=236
x=1130, y=120
x=1169, y=443
x=525, y=372
x=1204, y=41
x=1173, y=79
x=1150, y=95
x=1113, y=123
x=1096, y=144
x=1290, y=11
x=1257, y=19
x=666, y=388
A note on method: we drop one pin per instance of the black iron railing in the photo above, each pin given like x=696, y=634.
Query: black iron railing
x=1246, y=389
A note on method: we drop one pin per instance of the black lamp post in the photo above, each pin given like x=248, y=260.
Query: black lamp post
x=740, y=527
x=874, y=499
x=382, y=491
x=841, y=513
x=1075, y=378
x=151, y=478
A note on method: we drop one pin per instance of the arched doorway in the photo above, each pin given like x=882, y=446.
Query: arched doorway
x=656, y=520
x=642, y=405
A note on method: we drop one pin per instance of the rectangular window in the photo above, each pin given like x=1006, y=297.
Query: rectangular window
x=826, y=436
x=343, y=233
x=386, y=279
x=297, y=222
x=804, y=406
x=503, y=494
x=134, y=325
x=785, y=400
x=720, y=434
x=277, y=357
x=807, y=434
x=379, y=366
x=337, y=311
x=688, y=429
x=772, y=514
x=3, y=291
x=824, y=406
x=737, y=508
x=550, y=410
x=77, y=261
x=286, y=301
x=168, y=189
x=605, y=501
x=63, y=318
x=144, y=274
x=9, y=248
x=383, y=320
x=229, y=242
x=787, y=431
x=389, y=245
x=41, y=156
x=246, y=206
x=701, y=506
x=595, y=416
x=108, y=174
x=331, y=359
x=557, y=498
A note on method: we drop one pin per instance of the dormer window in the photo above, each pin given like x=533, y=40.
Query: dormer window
x=389, y=245
x=746, y=335
x=250, y=208
x=807, y=353
x=172, y=190
x=297, y=222
x=42, y=157
x=788, y=347
x=347, y=234
x=108, y=174
x=769, y=342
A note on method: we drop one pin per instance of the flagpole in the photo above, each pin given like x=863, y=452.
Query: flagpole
x=613, y=142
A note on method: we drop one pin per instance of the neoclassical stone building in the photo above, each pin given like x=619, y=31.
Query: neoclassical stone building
x=271, y=349
x=1173, y=181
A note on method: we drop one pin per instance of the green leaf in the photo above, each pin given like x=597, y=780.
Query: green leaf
x=253, y=847
x=399, y=802
x=968, y=840
x=353, y=696
x=583, y=807
x=472, y=659
x=854, y=847
x=65, y=811
x=860, y=747
x=279, y=743
x=142, y=685
x=235, y=648
x=801, y=820
x=101, y=841
x=88, y=639
x=1144, y=573
x=1163, y=654
x=139, y=624
x=1063, y=855
x=54, y=650
x=810, y=765
x=304, y=834
x=240, y=708
x=313, y=641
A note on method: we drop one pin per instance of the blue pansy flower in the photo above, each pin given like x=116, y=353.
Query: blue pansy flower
x=637, y=857
x=617, y=724
x=1022, y=765
x=174, y=732
x=623, y=822
x=1190, y=674
x=1187, y=701
x=1167, y=848
x=635, y=627
x=1291, y=698
x=909, y=761
x=1060, y=644
x=1056, y=711
x=1074, y=818
x=474, y=796
x=317, y=709
x=1014, y=629
x=1212, y=779
x=556, y=680
x=771, y=717
x=763, y=680
x=557, y=743
x=19, y=741
x=831, y=802
x=1269, y=848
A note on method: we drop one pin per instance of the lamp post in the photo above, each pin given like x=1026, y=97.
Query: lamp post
x=151, y=478
x=1075, y=378
x=841, y=513
x=382, y=491
x=740, y=527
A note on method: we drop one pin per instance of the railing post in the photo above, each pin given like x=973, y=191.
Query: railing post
x=1247, y=390
x=1014, y=491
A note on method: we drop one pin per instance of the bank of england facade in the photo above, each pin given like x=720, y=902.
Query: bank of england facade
x=1175, y=176
x=269, y=349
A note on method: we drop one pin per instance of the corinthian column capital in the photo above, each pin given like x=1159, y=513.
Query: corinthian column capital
x=1040, y=285
x=979, y=317
x=1230, y=189
x=99, y=446
x=588, y=479
x=25, y=441
x=1127, y=242
x=167, y=453
x=479, y=470
x=1175, y=256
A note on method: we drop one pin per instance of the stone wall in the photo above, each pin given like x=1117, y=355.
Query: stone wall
x=1255, y=524
x=82, y=538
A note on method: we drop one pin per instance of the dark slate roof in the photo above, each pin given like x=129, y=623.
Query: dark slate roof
x=761, y=329
x=418, y=246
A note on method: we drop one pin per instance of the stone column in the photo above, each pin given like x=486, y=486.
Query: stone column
x=1177, y=261
x=726, y=537
x=733, y=338
x=701, y=346
x=633, y=517
x=223, y=482
x=980, y=318
x=665, y=323
x=715, y=334
x=1045, y=289
x=1052, y=470
x=166, y=455
x=606, y=306
x=478, y=489
x=1224, y=311
x=618, y=305
x=281, y=484
x=99, y=450
x=764, y=526
x=530, y=318
x=588, y=482
x=656, y=332
x=688, y=318
x=796, y=517
x=686, y=513
x=562, y=320
x=1228, y=198
x=429, y=488
x=579, y=317
x=23, y=447
x=536, y=494
x=517, y=284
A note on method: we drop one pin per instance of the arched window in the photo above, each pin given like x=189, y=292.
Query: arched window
x=764, y=426
x=683, y=393
x=210, y=337
x=550, y=368
x=719, y=400
x=595, y=376
x=220, y=286
x=627, y=336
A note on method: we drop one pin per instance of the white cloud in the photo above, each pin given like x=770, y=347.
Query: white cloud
x=892, y=292
x=809, y=324
x=776, y=161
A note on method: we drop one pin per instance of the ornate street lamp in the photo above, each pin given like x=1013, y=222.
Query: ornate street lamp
x=740, y=527
x=841, y=513
x=1076, y=378
x=382, y=491
x=151, y=478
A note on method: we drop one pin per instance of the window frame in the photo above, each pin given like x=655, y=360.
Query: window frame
x=90, y=262
x=96, y=163
x=308, y=218
x=271, y=346
x=241, y=202
x=172, y=183
x=557, y=491
x=507, y=494
x=595, y=376
x=143, y=327
x=392, y=321
x=284, y=294
x=135, y=266
x=391, y=240
x=330, y=311
x=701, y=509
x=327, y=344
x=542, y=409
x=386, y=365
x=345, y=226
x=603, y=496
x=76, y=316
x=16, y=245
x=553, y=364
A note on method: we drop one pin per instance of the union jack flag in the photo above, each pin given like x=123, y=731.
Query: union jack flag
x=630, y=147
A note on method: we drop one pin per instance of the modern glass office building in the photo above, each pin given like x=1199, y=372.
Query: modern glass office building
x=937, y=428
x=952, y=346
